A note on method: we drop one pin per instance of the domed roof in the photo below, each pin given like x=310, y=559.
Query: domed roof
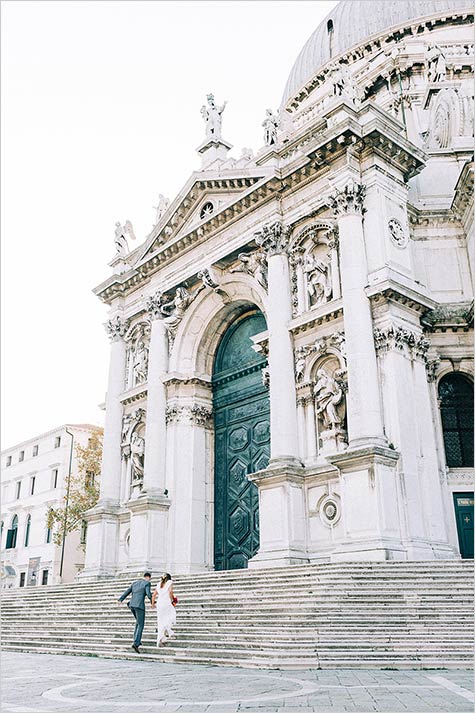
x=352, y=21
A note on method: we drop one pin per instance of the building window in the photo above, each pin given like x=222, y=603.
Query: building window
x=330, y=36
x=32, y=484
x=206, y=210
x=27, y=530
x=54, y=480
x=22, y=579
x=35, y=451
x=21, y=457
x=9, y=461
x=456, y=411
x=12, y=534
x=44, y=577
x=57, y=441
x=90, y=478
x=48, y=535
x=18, y=490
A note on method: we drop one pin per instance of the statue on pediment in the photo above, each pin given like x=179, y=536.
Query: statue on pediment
x=270, y=124
x=122, y=232
x=212, y=116
x=175, y=309
x=161, y=208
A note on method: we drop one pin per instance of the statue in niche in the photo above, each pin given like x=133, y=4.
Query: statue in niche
x=270, y=124
x=329, y=395
x=300, y=362
x=137, y=454
x=120, y=239
x=212, y=115
x=140, y=363
x=319, y=284
x=161, y=208
x=436, y=64
x=126, y=425
x=254, y=264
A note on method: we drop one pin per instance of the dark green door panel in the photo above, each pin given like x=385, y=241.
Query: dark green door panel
x=242, y=437
x=464, y=516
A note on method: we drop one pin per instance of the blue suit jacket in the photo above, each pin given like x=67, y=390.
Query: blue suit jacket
x=138, y=589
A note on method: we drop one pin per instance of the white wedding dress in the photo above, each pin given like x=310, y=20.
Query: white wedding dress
x=166, y=613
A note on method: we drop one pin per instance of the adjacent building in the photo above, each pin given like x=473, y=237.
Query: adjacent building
x=291, y=368
x=34, y=479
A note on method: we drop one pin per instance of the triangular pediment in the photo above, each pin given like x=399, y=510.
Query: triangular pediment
x=201, y=199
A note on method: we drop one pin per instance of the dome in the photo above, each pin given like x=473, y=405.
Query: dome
x=351, y=22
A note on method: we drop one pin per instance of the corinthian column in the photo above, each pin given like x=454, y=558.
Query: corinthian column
x=156, y=426
x=283, y=402
x=365, y=422
x=111, y=457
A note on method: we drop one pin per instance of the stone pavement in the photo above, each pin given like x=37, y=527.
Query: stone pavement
x=41, y=683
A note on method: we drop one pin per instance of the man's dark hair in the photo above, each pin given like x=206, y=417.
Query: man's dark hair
x=147, y=574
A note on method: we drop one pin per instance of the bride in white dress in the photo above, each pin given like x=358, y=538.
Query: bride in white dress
x=166, y=614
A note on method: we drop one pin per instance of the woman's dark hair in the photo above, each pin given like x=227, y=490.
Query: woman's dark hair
x=165, y=578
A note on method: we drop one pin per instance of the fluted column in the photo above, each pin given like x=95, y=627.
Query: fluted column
x=111, y=456
x=156, y=425
x=274, y=240
x=365, y=421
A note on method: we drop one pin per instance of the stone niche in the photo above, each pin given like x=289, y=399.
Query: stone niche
x=329, y=386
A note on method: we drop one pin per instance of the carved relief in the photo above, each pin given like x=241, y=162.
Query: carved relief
x=196, y=414
x=274, y=239
x=398, y=233
x=403, y=340
x=349, y=200
x=116, y=328
x=253, y=264
x=451, y=117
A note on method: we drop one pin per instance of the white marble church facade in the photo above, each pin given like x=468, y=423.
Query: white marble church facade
x=351, y=233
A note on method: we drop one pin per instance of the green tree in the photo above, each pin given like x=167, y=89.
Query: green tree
x=83, y=491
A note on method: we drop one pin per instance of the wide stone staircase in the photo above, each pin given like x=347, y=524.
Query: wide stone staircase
x=349, y=615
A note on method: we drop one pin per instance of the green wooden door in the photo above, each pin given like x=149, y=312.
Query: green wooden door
x=464, y=516
x=242, y=437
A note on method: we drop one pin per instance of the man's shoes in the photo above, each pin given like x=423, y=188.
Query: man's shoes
x=136, y=648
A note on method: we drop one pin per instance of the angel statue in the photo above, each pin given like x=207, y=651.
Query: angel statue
x=120, y=239
x=270, y=124
x=161, y=208
x=212, y=115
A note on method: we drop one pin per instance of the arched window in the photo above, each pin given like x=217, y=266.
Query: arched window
x=27, y=530
x=12, y=534
x=456, y=410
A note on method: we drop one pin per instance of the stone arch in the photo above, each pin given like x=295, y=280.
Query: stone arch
x=318, y=360
x=207, y=319
x=310, y=230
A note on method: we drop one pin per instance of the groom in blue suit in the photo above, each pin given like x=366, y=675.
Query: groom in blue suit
x=138, y=589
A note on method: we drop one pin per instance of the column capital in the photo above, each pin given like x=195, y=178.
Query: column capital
x=116, y=328
x=274, y=239
x=153, y=305
x=348, y=201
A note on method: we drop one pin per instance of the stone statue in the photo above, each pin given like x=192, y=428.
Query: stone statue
x=436, y=64
x=126, y=424
x=270, y=124
x=300, y=362
x=212, y=115
x=343, y=83
x=328, y=394
x=161, y=208
x=319, y=284
x=254, y=264
x=140, y=363
x=120, y=239
x=137, y=453
x=176, y=308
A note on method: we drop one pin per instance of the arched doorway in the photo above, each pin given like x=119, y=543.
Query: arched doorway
x=242, y=438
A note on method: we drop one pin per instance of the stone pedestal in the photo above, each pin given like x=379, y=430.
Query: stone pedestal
x=102, y=543
x=148, y=533
x=369, y=505
x=281, y=517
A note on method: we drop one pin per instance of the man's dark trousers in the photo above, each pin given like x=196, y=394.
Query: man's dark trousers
x=139, y=615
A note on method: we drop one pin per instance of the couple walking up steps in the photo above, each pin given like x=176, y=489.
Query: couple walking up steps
x=163, y=599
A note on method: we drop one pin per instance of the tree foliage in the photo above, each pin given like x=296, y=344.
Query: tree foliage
x=83, y=490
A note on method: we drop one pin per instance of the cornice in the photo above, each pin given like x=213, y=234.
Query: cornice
x=391, y=291
x=138, y=393
x=328, y=312
x=451, y=317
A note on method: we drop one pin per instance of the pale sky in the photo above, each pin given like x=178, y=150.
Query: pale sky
x=101, y=113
